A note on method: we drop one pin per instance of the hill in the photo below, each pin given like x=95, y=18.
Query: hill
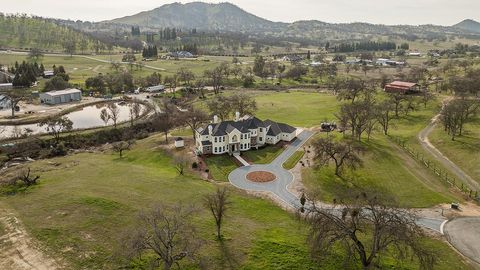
x=204, y=16
x=227, y=17
x=469, y=25
x=24, y=32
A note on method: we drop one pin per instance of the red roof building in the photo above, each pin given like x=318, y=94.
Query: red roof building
x=401, y=87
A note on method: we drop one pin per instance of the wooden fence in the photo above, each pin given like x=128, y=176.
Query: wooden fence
x=439, y=171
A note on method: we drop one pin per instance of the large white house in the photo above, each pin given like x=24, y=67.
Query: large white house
x=233, y=137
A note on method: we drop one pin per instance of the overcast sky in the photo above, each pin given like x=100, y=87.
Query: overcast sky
x=443, y=12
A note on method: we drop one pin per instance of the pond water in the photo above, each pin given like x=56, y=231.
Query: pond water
x=86, y=117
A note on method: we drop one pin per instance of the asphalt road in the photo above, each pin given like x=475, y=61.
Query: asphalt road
x=278, y=187
x=462, y=234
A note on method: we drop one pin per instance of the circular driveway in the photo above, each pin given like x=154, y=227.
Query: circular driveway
x=278, y=187
x=464, y=234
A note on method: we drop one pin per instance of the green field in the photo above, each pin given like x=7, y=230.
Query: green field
x=83, y=205
x=297, y=108
x=293, y=160
x=263, y=155
x=220, y=167
x=464, y=151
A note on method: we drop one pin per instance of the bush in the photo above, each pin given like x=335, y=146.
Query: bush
x=194, y=165
x=58, y=150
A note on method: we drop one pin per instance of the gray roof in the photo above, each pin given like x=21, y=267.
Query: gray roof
x=63, y=92
x=277, y=128
x=245, y=125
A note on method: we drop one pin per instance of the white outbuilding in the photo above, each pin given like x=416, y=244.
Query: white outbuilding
x=179, y=142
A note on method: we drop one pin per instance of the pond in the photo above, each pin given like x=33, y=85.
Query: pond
x=84, y=118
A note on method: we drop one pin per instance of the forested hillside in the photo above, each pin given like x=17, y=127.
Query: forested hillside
x=21, y=31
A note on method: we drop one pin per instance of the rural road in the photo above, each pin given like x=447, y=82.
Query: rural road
x=430, y=148
x=279, y=187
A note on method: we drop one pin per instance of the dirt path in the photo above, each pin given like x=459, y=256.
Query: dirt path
x=95, y=69
x=439, y=156
x=17, y=249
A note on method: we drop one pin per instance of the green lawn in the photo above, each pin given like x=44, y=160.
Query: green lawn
x=220, y=167
x=300, y=109
x=83, y=205
x=383, y=172
x=464, y=151
x=263, y=155
x=293, y=160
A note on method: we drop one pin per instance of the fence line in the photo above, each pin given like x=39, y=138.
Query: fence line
x=441, y=173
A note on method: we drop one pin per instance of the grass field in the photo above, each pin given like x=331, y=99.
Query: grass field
x=82, y=206
x=220, y=167
x=464, y=151
x=297, y=108
x=264, y=155
x=293, y=160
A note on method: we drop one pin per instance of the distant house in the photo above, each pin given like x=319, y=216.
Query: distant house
x=292, y=58
x=61, y=96
x=6, y=86
x=180, y=54
x=48, y=74
x=155, y=89
x=401, y=87
x=234, y=137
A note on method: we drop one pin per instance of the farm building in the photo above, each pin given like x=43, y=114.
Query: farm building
x=62, y=96
x=401, y=87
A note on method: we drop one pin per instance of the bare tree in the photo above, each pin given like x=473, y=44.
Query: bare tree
x=25, y=177
x=366, y=229
x=456, y=113
x=194, y=118
x=113, y=113
x=397, y=100
x=242, y=103
x=344, y=154
x=164, y=123
x=218, y=203
x=122, y=146
x=216, y=77
x=55, y=126
x=135, y=110
x=165, y=232
x=104, y=116
x=220, y=106
x=15, y=96
x=180, y=163
x=383, y=114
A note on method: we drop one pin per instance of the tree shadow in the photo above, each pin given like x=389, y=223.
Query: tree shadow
x=228, y=259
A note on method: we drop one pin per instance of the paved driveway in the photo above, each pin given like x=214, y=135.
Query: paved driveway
x=278, y=187
x=463, y=234
x=238, y=178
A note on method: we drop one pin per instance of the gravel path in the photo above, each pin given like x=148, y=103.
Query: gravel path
x=429, y=147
